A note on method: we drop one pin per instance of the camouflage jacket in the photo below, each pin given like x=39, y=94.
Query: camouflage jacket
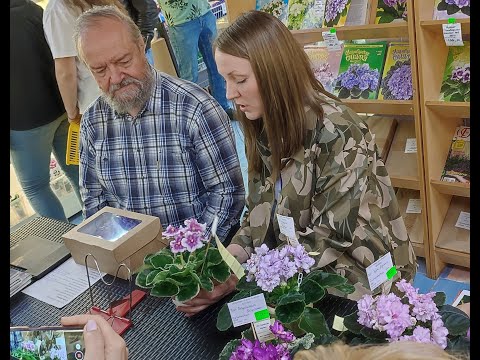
x=340, y=197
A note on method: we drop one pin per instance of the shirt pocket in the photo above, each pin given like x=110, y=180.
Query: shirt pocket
x=182, y=175
x=111, y=170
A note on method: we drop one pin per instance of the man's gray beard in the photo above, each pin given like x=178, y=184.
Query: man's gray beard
x=134, y=98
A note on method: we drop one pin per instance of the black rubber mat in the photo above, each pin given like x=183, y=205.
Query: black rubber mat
x=159, y=331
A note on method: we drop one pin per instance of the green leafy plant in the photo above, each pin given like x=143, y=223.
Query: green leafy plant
x=190, y=263
x=290, y=296
x=456, y=87
x=454, y=6
x=389, y=10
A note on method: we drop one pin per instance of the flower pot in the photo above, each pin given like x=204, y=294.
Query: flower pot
x=178, y=303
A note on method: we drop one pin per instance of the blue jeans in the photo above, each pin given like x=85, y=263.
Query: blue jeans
x=242, y=157
x=186, y=40
x=30, y=155
x=149, y=56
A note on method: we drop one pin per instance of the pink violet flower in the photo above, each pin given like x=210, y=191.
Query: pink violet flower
x=176, y=245
x=279, y=331
x=192, y=241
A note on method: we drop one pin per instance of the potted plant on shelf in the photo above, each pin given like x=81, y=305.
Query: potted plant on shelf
x=410, y=316
x=189, y=264
x=290, y=288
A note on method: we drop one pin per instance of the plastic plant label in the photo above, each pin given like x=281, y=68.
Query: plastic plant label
x=287, y=226
x=452, y=33
x=229, y=259
x=331, y=40
x=391, y=272
x=243, y=311
x=414, y=206
x=463, y=221
x=411, y=146
x=319, y=8
x=262, y=330
x=338, y=324
x=377, y=272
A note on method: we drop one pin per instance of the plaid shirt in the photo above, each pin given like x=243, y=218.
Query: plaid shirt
x=176, y=159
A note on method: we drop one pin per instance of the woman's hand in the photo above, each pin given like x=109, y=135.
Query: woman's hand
x=204, y=298
x=101, y=341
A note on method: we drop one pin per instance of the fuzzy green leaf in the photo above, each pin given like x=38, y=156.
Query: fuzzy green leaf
x=206, y=283
x=439, y=298
x=290, y=307
x=442, y=6
x=351, y=323
x=164, y=289
x=220, y=272
x=213, y=256
x=455, y=320
x=312, y=290
x=386, y=18
x=188, y=292
x=228, y=349
x=457, y=97
x=346, y=288
x=243, y=284
x=452, y=9
x=151, y=276
x=465, y=10
x=326, y=279
x=141, y=279
x=313, y=321
x=373, y=334
x=159, y=260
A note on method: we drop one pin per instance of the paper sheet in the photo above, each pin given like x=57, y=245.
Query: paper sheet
x=62, y=285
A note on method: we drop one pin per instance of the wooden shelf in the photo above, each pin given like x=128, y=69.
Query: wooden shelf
x=453, y=109
x=369, y=31
x=413, y=222
x=451, y=188
x=381, y=107
x=402, y=167
x=453, y=244
x=436, y=25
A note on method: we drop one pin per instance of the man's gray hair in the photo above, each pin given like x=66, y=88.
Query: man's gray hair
x=94, y=16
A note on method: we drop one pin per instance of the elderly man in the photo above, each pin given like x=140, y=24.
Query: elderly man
x=152, y=143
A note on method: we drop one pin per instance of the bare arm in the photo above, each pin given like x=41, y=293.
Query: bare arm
x=66, y=74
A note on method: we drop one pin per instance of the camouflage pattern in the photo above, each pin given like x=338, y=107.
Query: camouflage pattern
x=340, y=197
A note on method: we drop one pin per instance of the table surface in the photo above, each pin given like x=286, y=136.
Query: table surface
x=159, y=331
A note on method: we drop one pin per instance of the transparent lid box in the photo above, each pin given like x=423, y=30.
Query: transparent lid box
x=114, y=236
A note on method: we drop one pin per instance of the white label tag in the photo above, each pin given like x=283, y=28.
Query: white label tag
x=463, y=221
x=414, y=206
x=452, y=33
x=448, y=179
x=377, y=272
x=411, y=146
x=243, y=311
x=338, y=324
x=287, y=226
x=331, y=41
x=319, y=8
x=262, y=330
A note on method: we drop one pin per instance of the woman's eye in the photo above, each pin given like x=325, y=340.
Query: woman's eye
x=241, y=81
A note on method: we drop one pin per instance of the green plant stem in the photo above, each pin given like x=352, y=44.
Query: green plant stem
x=205, y=259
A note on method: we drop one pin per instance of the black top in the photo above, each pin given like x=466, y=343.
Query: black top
x=145, y=14
x=34, y=96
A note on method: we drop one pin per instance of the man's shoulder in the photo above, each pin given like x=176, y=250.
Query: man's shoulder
x=181, y=88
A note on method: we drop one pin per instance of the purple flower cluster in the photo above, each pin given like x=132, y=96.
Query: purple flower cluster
x=459, y=3
x=400, y=83
x=324, y=75
x=412, y=317
x=255, y=350
x=359, y=75
x=393, y=3
x=270, y=268
x=279, y=331
x=333, y=8
x=28, y=345
x=189, y=237
x=461, y=73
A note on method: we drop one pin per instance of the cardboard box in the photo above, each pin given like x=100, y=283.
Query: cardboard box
x=161, y=57
x=115, y=236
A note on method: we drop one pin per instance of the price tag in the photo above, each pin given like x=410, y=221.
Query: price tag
x=411, y=146
x=248, y=310
x=463, y=221
x=262, y=330
x=452, y=33
x=377, y=272
x=414, y=206
x=331, y=40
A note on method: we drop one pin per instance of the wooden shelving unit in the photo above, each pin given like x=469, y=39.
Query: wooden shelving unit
x=405, y=170
x=445, y=200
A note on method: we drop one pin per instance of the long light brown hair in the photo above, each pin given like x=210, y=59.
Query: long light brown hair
x=400, y=350
x=285, y=80
x=84, y=5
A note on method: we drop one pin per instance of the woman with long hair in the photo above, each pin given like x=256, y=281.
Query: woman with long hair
x=311, y=159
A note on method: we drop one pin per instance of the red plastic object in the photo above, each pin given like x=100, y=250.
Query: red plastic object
x=115, y=315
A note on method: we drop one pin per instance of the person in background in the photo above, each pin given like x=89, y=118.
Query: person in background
x=193, y=27
x=152, y=143
x=145, y=14
x=310, y=158
x=77, y=85
x=38, y=122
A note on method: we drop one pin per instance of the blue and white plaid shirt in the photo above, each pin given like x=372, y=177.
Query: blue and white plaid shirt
x=175, y=160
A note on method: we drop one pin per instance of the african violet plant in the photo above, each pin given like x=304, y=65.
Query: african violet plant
x=411, y=316
x=279, y=275
x=189, y=264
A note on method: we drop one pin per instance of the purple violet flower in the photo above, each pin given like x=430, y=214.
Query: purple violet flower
x=171, y=231
x=424, y=307
x=194, y=226
x=333, y=8
x=400, y=83
x=192, y=241
x=366, y=311
x=176, y=245
x=392, y=315
x=278, y=330
x=439, y=332
x=243, y=351
x=421, y=335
